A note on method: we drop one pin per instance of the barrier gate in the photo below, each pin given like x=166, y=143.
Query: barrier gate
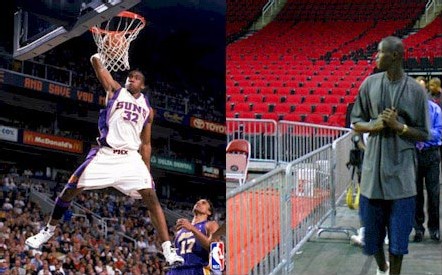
x=272, y=216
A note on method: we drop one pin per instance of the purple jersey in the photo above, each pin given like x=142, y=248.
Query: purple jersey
x=190, y=248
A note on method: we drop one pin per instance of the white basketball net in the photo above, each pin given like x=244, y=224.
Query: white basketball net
x=113, y=39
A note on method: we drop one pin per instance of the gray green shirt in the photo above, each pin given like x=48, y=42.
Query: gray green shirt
x=389, y=169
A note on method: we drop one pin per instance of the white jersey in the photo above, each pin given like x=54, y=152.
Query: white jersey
x=122, y=121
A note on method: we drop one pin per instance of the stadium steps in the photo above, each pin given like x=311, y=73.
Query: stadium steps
x=265, y=20
x=427, y=18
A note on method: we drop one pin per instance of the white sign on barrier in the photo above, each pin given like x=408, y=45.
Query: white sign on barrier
x=305, y=182
x=8, y=133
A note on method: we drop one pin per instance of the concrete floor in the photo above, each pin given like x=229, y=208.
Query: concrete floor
x=332, y=253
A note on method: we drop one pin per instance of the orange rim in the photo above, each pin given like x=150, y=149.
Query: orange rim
x=126, y=14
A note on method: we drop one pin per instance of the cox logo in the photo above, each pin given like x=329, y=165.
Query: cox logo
x=7, y=132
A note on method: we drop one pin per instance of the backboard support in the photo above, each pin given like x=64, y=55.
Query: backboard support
x=37, y=32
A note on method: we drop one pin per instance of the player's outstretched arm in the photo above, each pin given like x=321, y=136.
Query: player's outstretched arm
x=104, y=76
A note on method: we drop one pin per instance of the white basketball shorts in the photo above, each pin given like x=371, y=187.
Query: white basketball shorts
x=122, y=169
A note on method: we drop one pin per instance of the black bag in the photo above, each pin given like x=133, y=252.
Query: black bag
x=356, y=156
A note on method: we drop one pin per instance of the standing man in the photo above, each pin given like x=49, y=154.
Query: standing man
x=121, y=161
x=393, y=109
x=435, y=90
x=428, y=160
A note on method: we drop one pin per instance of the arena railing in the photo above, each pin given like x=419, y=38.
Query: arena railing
x=296, y=139
x=272, y=216
x=278, y=143
x=263, y=137
x=432, y=7
x=67, y=77
x=269, y=6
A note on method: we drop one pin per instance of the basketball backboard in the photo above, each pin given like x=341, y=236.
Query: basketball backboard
x=40, y=25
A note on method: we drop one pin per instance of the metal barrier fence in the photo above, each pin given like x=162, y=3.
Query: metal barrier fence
x=253, y=230
x=297, y=139
x=272, y=216
x=275, y=143
x=262, y=135
x=341, y=180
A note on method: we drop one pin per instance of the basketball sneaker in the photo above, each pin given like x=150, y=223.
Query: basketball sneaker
x=386, y=272
x=358, y=239
x=37, y=240
x=386, y=240
x=169, y=253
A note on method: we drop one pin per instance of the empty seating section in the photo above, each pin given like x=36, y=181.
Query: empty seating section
x=424, y=48
x=308, y=63
x=374, y=33
x=241, y=14
x=362, y=10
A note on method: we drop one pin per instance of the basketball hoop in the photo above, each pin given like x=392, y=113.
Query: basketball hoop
x=113, y=39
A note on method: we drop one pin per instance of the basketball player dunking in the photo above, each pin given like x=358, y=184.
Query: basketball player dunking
x=193, y=240
x=121, y=161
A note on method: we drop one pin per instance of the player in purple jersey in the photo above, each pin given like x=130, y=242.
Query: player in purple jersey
x=193, y=240
x=122, y=160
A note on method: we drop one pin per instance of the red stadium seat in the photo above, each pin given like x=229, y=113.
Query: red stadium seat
x=237, y=160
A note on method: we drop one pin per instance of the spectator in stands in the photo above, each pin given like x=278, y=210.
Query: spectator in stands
x=4, y=266
x=219, y=234
x=393, y=109
x=7, y=206
x=123, y=159
x=27, y=173
x=18, y=267
x=193, y=239
x=428, y=159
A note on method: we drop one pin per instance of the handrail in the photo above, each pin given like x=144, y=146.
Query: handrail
x=268, y=6
x=26, y=63
x=101, y=220
x=30, y=68
x=127, y=237
x=428, y=6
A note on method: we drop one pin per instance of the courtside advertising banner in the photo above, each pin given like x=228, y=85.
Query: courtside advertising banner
x=53, y=142
x=40, y=85
x=211, y=172
x=176, y=165
x=207, y=125
x=8, y=133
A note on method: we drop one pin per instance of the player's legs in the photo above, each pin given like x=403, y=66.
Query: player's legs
x=433, y=192
x=400, y=225
x=156, y=212
x=62, y=203
x=87, y=172
x=159, y=222
x=134, y=180
x=374, y=216
x=419, y=214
